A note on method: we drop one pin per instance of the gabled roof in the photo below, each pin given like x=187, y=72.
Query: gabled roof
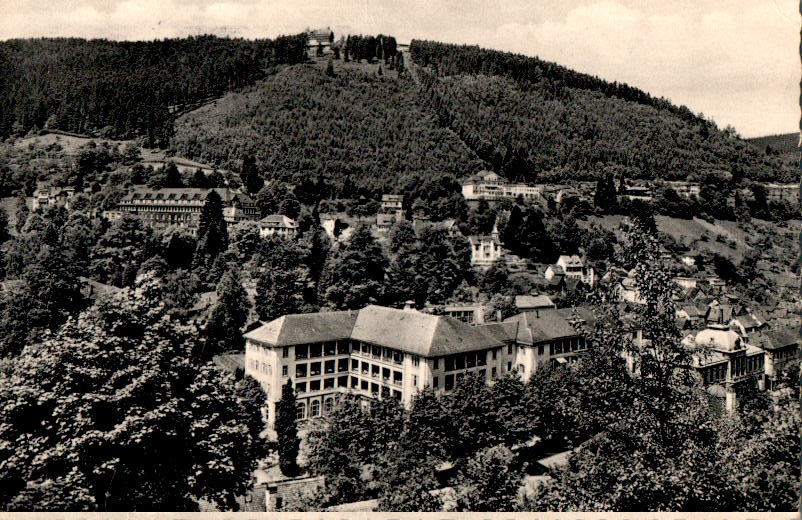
x=542, y=325
x=504, y=331
x=524, y=302
x=278, y=221
x=419, y=333
x=294, y=329
x=570, y=261
x=778, y=338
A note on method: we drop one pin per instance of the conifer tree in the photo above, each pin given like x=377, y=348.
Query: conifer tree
x=224, y=330
x=286, y=426
x=212, y=231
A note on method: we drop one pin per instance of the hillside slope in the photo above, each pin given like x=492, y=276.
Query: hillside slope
x=533, y=119
x=356, y=133
x=786, y=145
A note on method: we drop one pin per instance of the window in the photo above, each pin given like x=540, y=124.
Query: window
x=284, y=371
x=415, y=361
x=435, y=382
x=285, y=352
x=509, y=350
x=460, y=362
x=300, y=370
x=300, y=388
x=342, y=347
x=470, y=360
x=415, y=381
x=328, y=404
x=364, y=385
x=301, y=352
x=365, y=368
x=314, y=386
x=449, y=363
x=301, y=411
x=315, y=408
x=509, y=366
x=354, y=382
x=396, y=395
x=481, y=359
x=354, y=365
x=342, y=365
x=385, y=391
x=398, y=357
x=328, y=383
x=374, y=389
x=386, y=375
x=329, y=366
x=330, y=348
x=493, y=373
x=315, y=351
x=374, y=370
x=365, y=349
x=436, y=363
x=494, y=353
x=449, y=381
x=397, y=377
x=540, y=350
x=314, y=369
x=520, y=368
x=342, y=382
x=376, y=351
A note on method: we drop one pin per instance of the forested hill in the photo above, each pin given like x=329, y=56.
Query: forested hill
x=780, y=144
x=530, y=119
x=126, y=89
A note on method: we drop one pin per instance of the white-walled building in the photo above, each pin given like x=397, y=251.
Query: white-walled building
x=485, y=250
x=379, y=352
x=279, y=226
x=572, y=267
x=487, y=185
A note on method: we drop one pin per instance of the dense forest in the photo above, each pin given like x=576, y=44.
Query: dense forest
x=353, y=134
x=126, y=89
x=529, y=118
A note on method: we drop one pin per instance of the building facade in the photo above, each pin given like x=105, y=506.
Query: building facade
x=383, y=353
x=278, y=226
x=393, y=205
x=485, y=250
x=487, y=185
x=182, y=206
x=52, y=196
x=571, y=267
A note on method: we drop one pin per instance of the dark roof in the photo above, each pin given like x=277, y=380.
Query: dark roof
x=542, y=325
x=504, y=332
x=193, y=194
x=778, y=338
x=419, y=333
x=525, y=302
x=294, y=329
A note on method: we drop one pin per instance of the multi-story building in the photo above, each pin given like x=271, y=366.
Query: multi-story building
x=379, y=353
x=485, y=250
x=182, y=206
x=393, y=205
x=572, y=267
x=725, y=361
x=685, y=189
x=279, y=226
x=782, y=192
x=487, y=185
x=782, y=348
x=53, y=196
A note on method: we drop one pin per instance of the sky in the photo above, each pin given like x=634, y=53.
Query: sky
x=736, y=61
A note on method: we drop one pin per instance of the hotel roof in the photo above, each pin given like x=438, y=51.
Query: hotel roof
x=542, y=325
x=294, y=329
x=419, y=333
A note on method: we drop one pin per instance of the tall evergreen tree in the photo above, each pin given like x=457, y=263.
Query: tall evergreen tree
x=212, y=231
x=224, y=329
x=250, y=176
x=286, y=426
x=354, y=276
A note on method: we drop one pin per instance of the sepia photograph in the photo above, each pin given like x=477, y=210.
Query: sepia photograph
x=398, y=256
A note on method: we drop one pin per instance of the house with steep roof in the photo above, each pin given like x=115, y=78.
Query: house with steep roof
x=572, y=267
x=374, y=353
x=280, y=226
x=782, y=348
x=53, y=196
